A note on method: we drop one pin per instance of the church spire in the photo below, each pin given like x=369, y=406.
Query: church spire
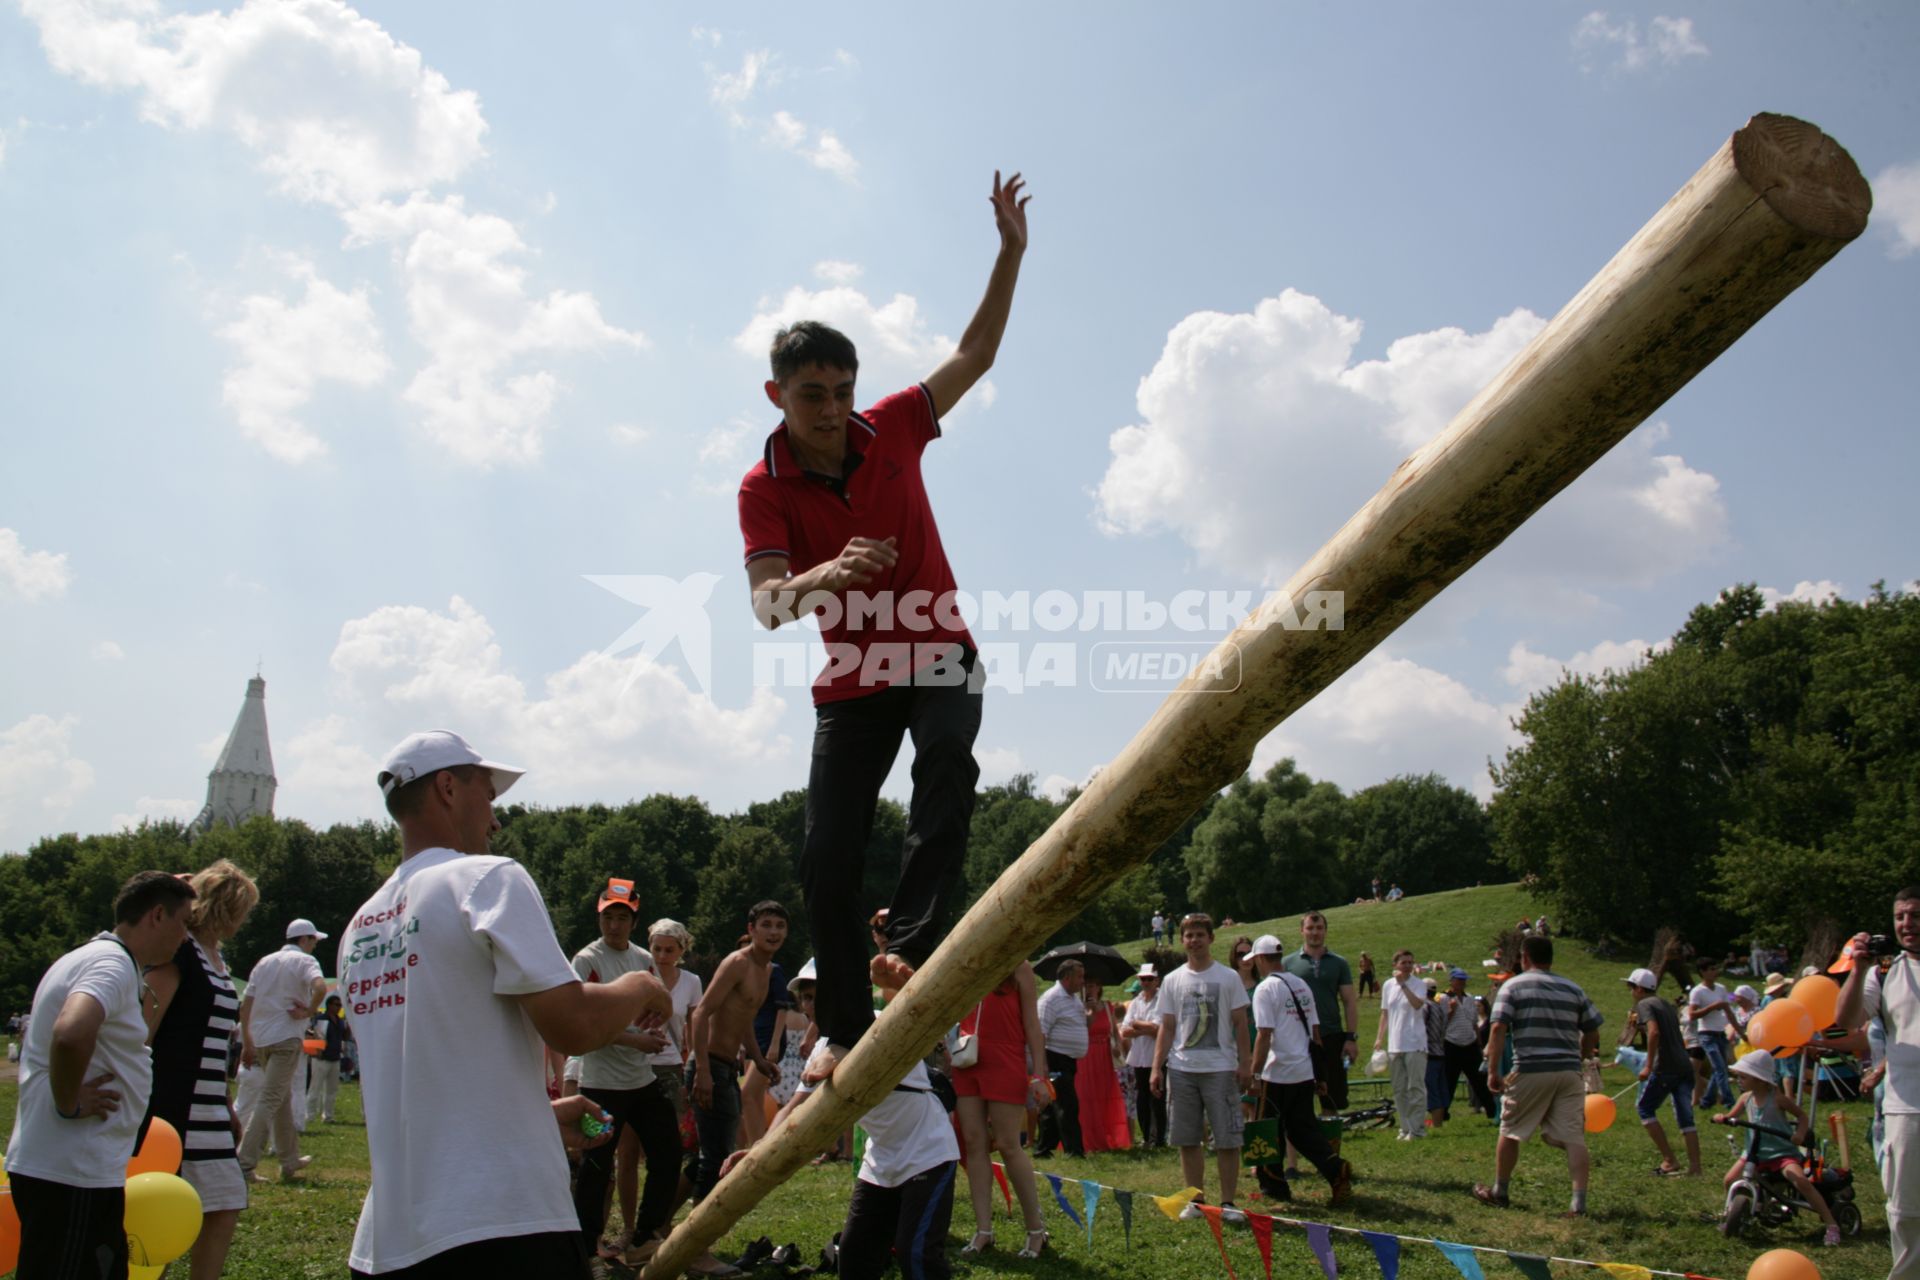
x=242, y=784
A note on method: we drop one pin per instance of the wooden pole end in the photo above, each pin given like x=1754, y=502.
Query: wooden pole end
x=1803, y=175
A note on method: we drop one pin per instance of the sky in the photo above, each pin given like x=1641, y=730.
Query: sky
x=411, y=355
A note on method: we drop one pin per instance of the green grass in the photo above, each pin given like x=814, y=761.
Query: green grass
x=1416, y=1189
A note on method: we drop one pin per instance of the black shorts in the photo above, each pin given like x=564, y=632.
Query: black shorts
x=70, y=1232
x=561, y=1254
x=1330, y=1069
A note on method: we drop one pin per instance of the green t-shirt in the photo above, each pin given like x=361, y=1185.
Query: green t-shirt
x=1324, y=977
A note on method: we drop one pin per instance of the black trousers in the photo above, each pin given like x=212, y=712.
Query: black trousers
x=1152, y=1107
x=1330, y=1069
x=70, y=1233
x=907, y=1223
x=1293, y=1105
x=649, y=1113
x=1464, y=1060
x=854, y=745
x=556, y=1254
x=1060, y=1123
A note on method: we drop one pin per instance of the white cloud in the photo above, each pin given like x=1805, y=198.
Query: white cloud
x=834, y=271
x=1529, y=672
x=997, y=764
x=1389, y=716
x=1055, y=786
x=844, y=59
x=31, y=575
x=108, y=651
x=1668, y=42
x=1259, y=437
x=325, y=766
x=705, y=35
x=286, y=349
x=601, y=722
x=1803, y=592
x=468, y=305
x=39, y=776
x=733, y=91
x=1896, y=199
x=153, y=809
x=336, y=109
x=629, y=434
x=896, y=350
x=343, y=115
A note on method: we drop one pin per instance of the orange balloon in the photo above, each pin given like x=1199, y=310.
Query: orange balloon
x=1792, y=1025
x=160, y=1153
x=1761, y=1031
x=9, y=1231
x=1819, y=995
x=1600, y=1111
x=315, y=1047
x=1783, y=1264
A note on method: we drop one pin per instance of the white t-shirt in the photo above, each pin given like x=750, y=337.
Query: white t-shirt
x=1406, y=1021
x=463, y=1143
x=1895, y=1000
x=907, y=1134
x=1140, y=1049
x=615, y=1066
x=279, y=981
x=1201, y=1005
x=89, y=1152
x=1063, y=1022
x=1705, y=995
x=1280, y=1003
x=686, y=994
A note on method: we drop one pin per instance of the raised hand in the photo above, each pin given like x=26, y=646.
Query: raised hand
x=1010, y=211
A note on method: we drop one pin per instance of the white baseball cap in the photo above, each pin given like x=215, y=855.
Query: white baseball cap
x=1643, y=978
x=1147, y=971
x=421, y=754
x=303, y=928
x=1265, y=945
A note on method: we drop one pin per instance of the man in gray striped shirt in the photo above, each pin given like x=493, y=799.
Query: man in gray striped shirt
x=1554, y=1027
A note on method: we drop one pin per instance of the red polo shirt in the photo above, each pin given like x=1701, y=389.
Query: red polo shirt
x=903, y=620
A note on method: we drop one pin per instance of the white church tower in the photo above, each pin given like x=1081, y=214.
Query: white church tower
x=242, y=784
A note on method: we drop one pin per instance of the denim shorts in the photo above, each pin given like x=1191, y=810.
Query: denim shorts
x=1656, y=1089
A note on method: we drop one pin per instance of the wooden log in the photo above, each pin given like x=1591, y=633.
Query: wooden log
x=1759, y=218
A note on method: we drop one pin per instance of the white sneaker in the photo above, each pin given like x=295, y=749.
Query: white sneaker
x=1230, y=1212
x=1192, y=1212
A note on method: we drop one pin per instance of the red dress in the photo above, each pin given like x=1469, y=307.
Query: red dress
x=1103, y=1108
x=1001, y=1073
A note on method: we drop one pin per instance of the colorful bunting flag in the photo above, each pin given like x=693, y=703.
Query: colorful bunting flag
x=1000, y=1176
x=1530, y=1265
x=1626, y=1271
x=1386, y=1251
x=1061, y=1196
x=1320, y=1240
x=1090, y=1196
x=1463, y=1259
x=1173, y=1204
x=1212, y=1215
x=1125, y=1200
x=1262, y=1227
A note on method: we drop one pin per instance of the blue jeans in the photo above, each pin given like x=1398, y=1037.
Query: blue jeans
x=719, y=1124
x=1719, y=1088
x=1656, y=1089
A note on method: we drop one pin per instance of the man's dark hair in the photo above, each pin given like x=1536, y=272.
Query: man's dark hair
x=767, y=908
x=1537, y=949
x=1200, y=918
x=1909, y=894
x=405, y=801
x=806, y=342
x=148, y=890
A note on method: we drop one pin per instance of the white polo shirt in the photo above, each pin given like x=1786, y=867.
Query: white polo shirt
x=279, y=981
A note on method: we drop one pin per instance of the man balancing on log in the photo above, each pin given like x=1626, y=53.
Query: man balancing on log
x=836, y=521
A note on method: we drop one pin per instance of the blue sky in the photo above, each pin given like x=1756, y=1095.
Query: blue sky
x=353, y=342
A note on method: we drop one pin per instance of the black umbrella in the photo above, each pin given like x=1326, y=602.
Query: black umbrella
x=1103, y=964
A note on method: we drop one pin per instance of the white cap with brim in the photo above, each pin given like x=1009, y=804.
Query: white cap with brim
x=1756, y=1064
x=421, y=754
x=1147, y=971
x=807, y=974
x=304, y=928
x=1643, y=978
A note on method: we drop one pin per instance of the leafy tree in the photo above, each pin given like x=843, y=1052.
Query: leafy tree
x=1419, y=832
x=750, y=864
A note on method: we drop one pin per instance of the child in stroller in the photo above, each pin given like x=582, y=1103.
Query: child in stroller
x=1776, y=1172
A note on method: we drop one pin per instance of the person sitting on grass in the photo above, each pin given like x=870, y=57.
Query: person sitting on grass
x=1762, y=1102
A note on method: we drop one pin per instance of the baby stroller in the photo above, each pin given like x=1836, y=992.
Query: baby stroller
x=1769, y=1200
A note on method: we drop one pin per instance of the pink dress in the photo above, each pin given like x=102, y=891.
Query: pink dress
x=1103, y=1108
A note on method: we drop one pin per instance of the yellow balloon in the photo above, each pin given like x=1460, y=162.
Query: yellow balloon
x=137, y=1272
x=163, y=1218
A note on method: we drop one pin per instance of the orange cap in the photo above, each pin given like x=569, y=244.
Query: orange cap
x=619, y=893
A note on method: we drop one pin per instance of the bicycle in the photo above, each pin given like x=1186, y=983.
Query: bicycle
x=1769, y=1200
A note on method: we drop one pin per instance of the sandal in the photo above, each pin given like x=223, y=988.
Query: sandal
x=1032, y=1249
x=982, y=1241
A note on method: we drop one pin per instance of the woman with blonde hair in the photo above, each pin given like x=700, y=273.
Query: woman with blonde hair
x=190, y=1019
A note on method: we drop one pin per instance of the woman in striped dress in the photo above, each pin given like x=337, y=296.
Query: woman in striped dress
x=192, y=1016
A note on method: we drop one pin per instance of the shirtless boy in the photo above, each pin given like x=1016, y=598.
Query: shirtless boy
x=723, y=1029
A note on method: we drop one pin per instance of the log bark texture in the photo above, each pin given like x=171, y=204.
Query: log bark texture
x=1769, y=208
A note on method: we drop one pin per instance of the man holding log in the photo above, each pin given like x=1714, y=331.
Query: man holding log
x=836, y=520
